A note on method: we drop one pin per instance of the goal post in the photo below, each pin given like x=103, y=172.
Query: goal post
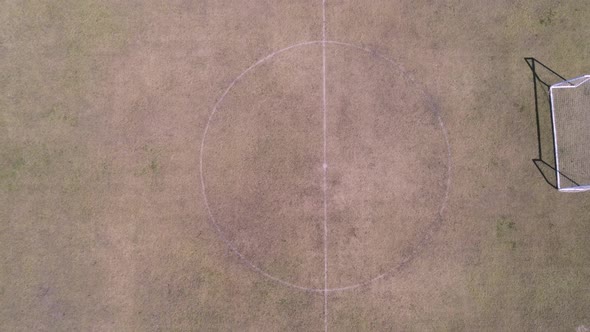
x=570, y=116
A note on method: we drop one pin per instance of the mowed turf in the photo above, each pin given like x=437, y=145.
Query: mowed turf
x=105, y=224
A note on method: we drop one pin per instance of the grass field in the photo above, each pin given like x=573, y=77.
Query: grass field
x=244, y=166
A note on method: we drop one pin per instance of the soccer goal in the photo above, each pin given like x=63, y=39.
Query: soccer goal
x=570, y=114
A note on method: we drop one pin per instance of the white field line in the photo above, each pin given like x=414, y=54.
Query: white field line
x=325, y=166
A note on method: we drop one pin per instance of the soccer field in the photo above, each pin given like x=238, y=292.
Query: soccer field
x=306, y=165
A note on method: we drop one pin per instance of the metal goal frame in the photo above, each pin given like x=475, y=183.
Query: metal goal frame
x=558, y=93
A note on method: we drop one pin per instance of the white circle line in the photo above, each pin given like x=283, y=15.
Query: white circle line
x=203, y=186
x=407, y=259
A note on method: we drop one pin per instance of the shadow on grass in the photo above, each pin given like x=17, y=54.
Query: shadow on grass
x=543, y=78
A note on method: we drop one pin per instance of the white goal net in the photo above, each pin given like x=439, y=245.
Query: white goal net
x=570, y=105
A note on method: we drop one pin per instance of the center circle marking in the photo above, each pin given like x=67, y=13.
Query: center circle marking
x=424, y=235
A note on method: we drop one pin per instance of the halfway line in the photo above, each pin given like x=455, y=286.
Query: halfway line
x=325, y=166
